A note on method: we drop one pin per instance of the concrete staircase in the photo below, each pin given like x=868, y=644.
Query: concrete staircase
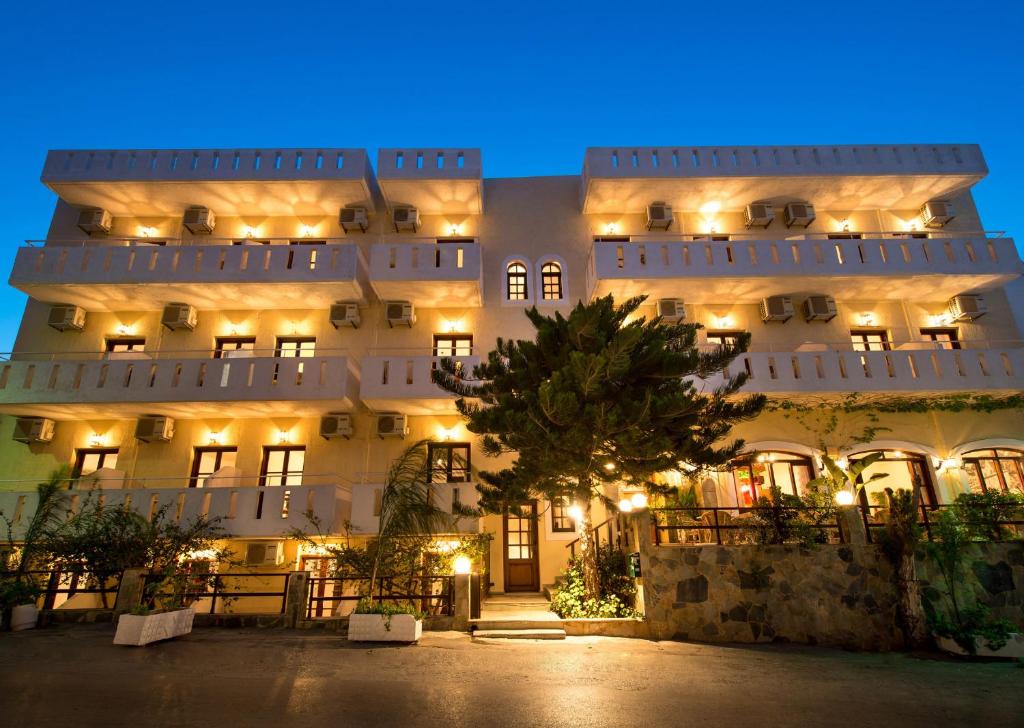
x=517, y=616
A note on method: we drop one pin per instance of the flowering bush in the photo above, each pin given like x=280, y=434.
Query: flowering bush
x=618, y=589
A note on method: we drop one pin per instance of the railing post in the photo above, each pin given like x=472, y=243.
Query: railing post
x=851, y=526
x=462, y=602
x=718, y=528
x=296, y=597
x=924, y=520
x=213, y=599
x=51, y=589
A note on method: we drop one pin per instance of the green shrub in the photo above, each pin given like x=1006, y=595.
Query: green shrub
x=985, y=515
x=386, y=609
x=618, y=590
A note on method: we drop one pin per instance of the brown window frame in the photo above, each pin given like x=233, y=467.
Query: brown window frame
x=285, y=473
x=220, y=341
x=973, y=462
x=465, y=472
x=130, y=341
x=728, y=337
x=293, y=340
x=885, y=343
x=455, y=340
x=517, y=283
x=757, y=490
x=197, y=454
x=551, y=285
x=561, y=522
x=953, y=333
x=82, y=452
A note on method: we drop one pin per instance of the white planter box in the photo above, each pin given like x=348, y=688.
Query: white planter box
x=375, y=628
x=24, y=616
x=1013, y=649
x=141, y=630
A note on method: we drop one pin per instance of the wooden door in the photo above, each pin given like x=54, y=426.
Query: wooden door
x=522, y=563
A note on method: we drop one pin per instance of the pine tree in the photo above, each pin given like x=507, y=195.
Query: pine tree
x=598, y=397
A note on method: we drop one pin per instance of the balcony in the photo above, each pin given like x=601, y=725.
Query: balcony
x=244, y=511
x=903, y=176
x=431, y=275
x=364, y=504
x=918, y=370
x=74, y=385
x=435, y=181
x=130, y=275
x=744, y=271
x=233, y=182
x=402, y=383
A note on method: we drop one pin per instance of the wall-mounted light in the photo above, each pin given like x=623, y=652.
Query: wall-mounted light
x=249, y=231
x=282, y=437
x=97, y=440
x=710, y=208
x=146, y=232
x=844, y=225
x=639, y=500
x=626, y=505
x=454, y=230
x=125, y=329
x=949, y=463
x=306, y=231
x=575, y=512
x=842, y=463
x=609, y=466
x=723, y=322
x=867, y=318
x=446, y=434
x=215, y=437
x=611, y=228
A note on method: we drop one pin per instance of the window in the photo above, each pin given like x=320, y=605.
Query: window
x=303, y=241
x=89, y=460
x=225, y=345
x=943, y=338
x=724, y=338
x=282, y=465
x=250, y=241
x=295, y=346
x=995, y=470
x=755, y=475
x=516, y=278
x=551, y=281
x=453, y=344
x=845, y=236
x=869, y=340
x=710, y=238
x=122, y=344
x=560, y=520
x=449, y=462
x=903, y=470
x=611, y=238
x=207, y=461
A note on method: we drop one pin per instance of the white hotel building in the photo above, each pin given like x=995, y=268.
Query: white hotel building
x=198, y=319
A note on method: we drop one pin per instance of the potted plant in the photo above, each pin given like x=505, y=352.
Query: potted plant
x=376, y=621
x=19, y=589
x=965, y=627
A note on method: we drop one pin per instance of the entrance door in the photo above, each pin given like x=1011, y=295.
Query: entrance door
x=522, y=565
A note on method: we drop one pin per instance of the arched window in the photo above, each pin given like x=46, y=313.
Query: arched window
x=902, y=470
x=995, y=470
x=551, y=281
x=516, y=279
x=754, y=475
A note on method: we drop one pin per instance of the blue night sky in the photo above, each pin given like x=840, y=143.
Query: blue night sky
x=531, y=85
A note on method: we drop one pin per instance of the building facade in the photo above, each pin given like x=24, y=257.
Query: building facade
x=249, y=334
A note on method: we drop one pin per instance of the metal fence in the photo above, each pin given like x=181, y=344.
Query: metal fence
x=55, y=583
x=224, y=589
x=983, y=522
x=432, y=595
x=754, y=525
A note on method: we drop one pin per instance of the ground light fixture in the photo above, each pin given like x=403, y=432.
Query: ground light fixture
x=638, y=500
x=844, y=498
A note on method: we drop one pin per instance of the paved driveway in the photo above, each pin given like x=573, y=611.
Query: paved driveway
x=74, y=676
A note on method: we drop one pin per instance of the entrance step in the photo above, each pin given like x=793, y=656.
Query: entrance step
x=489, y=624
x=520, y=634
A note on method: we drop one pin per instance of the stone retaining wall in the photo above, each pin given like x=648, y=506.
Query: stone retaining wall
x=829, y=595
x=995, y=577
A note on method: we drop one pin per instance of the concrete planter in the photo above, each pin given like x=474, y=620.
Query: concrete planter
x=381, y=628
x=141, y=630
x=1012, y=650
x=24, y=616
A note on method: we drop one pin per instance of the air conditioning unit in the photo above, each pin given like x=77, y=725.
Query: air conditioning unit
x=95, y=220
x=399, y=313
x=200, y=220
x=759, y=214
x=154, y=428
x=392, y=426
x=353, y=218
x=66, y=318
x=777, y=308
x=179, y=316
x=33, y=429
x=659, y=216
x=345, y=314
x=937, y=213
x=800, y=214
x=672, y=310
x=819, y=308
x=405, y=218
x=335, y=425
x=967, y=307
x=261, y=553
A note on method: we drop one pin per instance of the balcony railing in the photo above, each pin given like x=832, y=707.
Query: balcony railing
x=243, y=511
x=115, y=379
x=756, y=268
x=448, y=497
x=432, y=275
x=207, y=274
x=404, y=382
x=921, y=370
